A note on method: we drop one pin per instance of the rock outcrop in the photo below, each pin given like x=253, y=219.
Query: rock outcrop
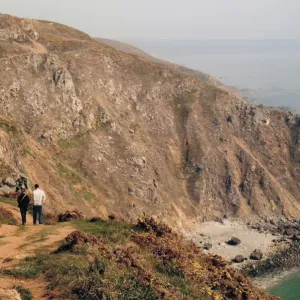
x=234, y=241
x=9, y=295
x=256, y=255
x=113, y=133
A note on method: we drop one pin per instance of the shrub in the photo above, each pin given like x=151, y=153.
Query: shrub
x=131, y=288
x=24, y=292
x=6, y=217
x=148, y=224
x=49, y=219
x=170, y=268
x=69, y=215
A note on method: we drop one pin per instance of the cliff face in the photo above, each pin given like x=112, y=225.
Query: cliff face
x=110, y=132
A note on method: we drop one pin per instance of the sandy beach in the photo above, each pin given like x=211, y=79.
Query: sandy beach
x=217, y=234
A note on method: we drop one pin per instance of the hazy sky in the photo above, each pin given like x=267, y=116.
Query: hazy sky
x=168, y=19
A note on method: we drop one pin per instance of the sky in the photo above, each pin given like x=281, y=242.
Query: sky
x=168, y=19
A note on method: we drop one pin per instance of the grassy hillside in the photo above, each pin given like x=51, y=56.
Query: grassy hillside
x=118, y=260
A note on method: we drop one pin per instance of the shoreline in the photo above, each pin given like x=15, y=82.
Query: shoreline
x=277, y=239
x=218, y=233
x=272, y=280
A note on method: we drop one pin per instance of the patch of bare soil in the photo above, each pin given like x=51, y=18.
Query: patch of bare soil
x=18, y=242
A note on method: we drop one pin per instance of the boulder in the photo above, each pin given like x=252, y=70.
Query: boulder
x=49, y=219
x=207, y=246
x=10, y=182
x=68, y=216
x=256, y=255
x=234, y=241
x=22, y=182
x=239, y=259
x=6, y=190
x=79, y=238
x=111, y=217
x=9, y=295
x=95, y=220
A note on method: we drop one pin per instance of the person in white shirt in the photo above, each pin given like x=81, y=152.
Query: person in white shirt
x=39, y=198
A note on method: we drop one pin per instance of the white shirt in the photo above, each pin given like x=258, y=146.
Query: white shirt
x=39, y=197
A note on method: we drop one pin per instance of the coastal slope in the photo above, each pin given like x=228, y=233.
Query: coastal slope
x=109, y=132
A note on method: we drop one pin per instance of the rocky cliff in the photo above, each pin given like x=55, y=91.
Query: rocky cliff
x=111, y=132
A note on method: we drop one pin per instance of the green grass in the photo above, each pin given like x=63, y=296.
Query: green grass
x=111, y=232
x=170, y=269
x=68, y=174
x=41, y=237
x=7, y=126
x=95, y=274
x=183, y=284
x=70, y=275
x=10, y=201
x=26, y=152
x=132, y=288
x=85, y=195
x=99, y=279
x=68, y=144
x=30, y=268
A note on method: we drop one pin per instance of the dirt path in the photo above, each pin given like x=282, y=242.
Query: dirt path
x=18, y=242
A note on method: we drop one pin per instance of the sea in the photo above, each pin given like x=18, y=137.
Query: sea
x=288, y=288
x=263, y=71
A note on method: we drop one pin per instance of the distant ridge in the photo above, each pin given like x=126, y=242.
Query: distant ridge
x=125, y=47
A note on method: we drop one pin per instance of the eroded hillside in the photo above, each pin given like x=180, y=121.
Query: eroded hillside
x=110, y=132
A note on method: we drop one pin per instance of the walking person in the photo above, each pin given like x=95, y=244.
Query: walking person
x=23, y=201
x=39, y=199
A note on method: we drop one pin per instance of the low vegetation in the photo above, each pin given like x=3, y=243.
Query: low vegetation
x=7, y=126
x=67, y=173
x=10, y=201
x=68, y=144
x=118, y=260
x=6, y=217
x=24, y=293
x=26, y=152
x=84, y=195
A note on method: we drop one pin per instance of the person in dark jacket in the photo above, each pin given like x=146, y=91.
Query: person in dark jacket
x=23, y=201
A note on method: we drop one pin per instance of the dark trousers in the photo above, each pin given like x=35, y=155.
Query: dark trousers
x=38, y=209
x=23, y=211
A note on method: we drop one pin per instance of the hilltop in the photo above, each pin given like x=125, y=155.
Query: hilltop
x=110, y=132
x=124, y=47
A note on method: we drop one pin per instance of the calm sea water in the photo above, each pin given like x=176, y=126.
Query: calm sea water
x=265, y=71
x=288, y=288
